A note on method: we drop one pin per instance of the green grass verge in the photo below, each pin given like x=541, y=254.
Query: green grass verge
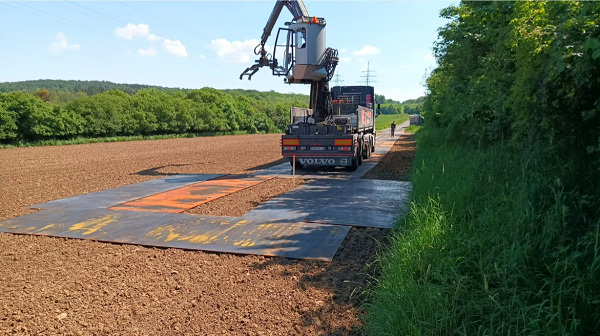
x=83, y=140
x=413, y=128
x=488, y=247
x=384, y=121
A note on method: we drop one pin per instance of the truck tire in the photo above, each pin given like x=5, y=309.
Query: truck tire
x=365, y=149
x=369, y=146
x=359, y=155
x=298, y=164
x=354, y=165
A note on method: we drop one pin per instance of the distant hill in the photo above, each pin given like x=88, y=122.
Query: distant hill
x=419, y=100
x=94, y=87
x=89, y=87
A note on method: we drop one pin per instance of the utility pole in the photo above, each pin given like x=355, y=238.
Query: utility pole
x=368, y=75
x=337, y=80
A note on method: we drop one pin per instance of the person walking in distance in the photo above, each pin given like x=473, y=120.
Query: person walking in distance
x=393, y=127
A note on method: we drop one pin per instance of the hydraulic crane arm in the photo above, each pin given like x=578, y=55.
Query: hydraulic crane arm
x=298, y=10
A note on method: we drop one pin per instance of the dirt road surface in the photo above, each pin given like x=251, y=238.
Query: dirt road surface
x=54, y=286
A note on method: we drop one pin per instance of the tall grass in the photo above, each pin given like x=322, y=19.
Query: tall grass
x=489, y=247
x=413, y=128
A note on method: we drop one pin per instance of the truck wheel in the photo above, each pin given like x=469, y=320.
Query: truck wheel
x=359, y=155
x=298, y=164
x=354, y=165
x=365, y=149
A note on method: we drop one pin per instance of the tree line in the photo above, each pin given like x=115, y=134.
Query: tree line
x=47, y=114
x=522, y=80
x=410, y=106
x=402, y=108
x=72, y=86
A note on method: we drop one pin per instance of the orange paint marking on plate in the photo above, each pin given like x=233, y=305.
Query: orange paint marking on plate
x=185, y=198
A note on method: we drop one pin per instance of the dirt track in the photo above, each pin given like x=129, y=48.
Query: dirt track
x=51, y=286
x=396, y=164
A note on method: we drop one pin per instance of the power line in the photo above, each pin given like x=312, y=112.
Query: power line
x=337, y=80
x=79, y=11
x=59, y=19
x=137, y=9
x=95, y=11
x=369, y=75
x=10, y=39
x=63, y=20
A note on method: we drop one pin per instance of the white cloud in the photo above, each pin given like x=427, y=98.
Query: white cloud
x=430, y=57
x=132, y=30
x=367, y=50
x=343, y=50
x=345, y=59
x=202, y=56
x=154, y=37
x=236, y=51
x=61, y=44
x=402, y=66
x=362, y=60
x=175, y=48
x=150, y=52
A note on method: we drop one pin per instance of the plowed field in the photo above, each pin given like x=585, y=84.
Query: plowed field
x=52, y=286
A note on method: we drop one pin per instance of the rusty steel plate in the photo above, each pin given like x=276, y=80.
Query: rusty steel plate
x=107, y=198
x=184, y=198
x=206, y=233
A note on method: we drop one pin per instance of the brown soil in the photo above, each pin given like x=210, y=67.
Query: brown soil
x=398, y=161
x=39, y=174
x=79, y=287
x=237, y=204
x=54, y=286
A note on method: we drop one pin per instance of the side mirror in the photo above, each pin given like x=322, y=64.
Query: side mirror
x=378, y=113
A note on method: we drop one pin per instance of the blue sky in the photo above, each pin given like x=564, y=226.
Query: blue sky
x=203, y=43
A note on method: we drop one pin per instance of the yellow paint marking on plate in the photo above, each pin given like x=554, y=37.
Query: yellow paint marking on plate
x=45, y=227
x=202, y=239
x=248, y=242
x=171, y=236
x=170, y=233
x=244, y=243
x=92, y=225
